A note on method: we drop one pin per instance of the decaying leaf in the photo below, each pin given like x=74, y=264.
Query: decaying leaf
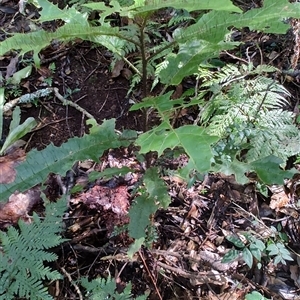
x=18, y=206
x=8, y=164
x=105, y=198
x=118, y=67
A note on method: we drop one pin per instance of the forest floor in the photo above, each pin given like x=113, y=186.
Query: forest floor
x=184, y=261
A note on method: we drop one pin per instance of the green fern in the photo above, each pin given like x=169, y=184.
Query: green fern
x=242, y=99
x=101, y=288
x=24, y=251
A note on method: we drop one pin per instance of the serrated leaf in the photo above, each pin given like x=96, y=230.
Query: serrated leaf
x=269, y=172
x=135, y=246
x=248, y=258
x=37, y=40
x=188, y=58
x=190, y=5
x=60, y=159
x=51, y=12
x=212, y=30
x=139, y=214
x=194, y=140
x=235, y=167
x=156, y=187
x=230, y=256
x=108, y=173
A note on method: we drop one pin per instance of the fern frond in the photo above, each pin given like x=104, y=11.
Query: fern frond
x=24, y=252
x=275, y=134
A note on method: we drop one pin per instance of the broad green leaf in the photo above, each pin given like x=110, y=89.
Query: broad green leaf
x=21, y=74
x=16, y=118
x=156, y=187
x=189, y=5
x=269, y=172
x=51, y=12
x=109, y=173
x=58, y=160
x=235, y=167
x=255, y=296
x=248, y=258
x=139, y=214
x=18, y=133
x=212, y=31
x=235, y=240
x=273, y=249
x=255, y=251
x=230, y=256
x=194, y=140
x=188, y=58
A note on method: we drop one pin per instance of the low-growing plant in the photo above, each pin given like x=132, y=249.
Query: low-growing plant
x=248, y=247
x=101, y=288
x=173, y=58
x=16, y=130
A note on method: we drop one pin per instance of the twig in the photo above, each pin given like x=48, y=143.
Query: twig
x=72, y=104
x=149, y=273
x=72, y=282
x=42, y=93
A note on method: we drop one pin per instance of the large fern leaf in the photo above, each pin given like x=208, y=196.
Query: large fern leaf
x=24, y=251
x=58, y=160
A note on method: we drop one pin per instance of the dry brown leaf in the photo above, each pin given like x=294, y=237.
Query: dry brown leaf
x=279, y=200
x=8, y=164
x=126, y=73
x=12, y=67
x=105, y=198
x=118, y=67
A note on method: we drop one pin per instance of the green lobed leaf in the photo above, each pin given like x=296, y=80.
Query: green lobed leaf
x=269, y=172
x=188, y=58
x=37, y=40
x=139, y=214
x=194, y=140
x=58, y=160
x=212, y=33
x=156, y=187
x=190, y=5
x=235, y=167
